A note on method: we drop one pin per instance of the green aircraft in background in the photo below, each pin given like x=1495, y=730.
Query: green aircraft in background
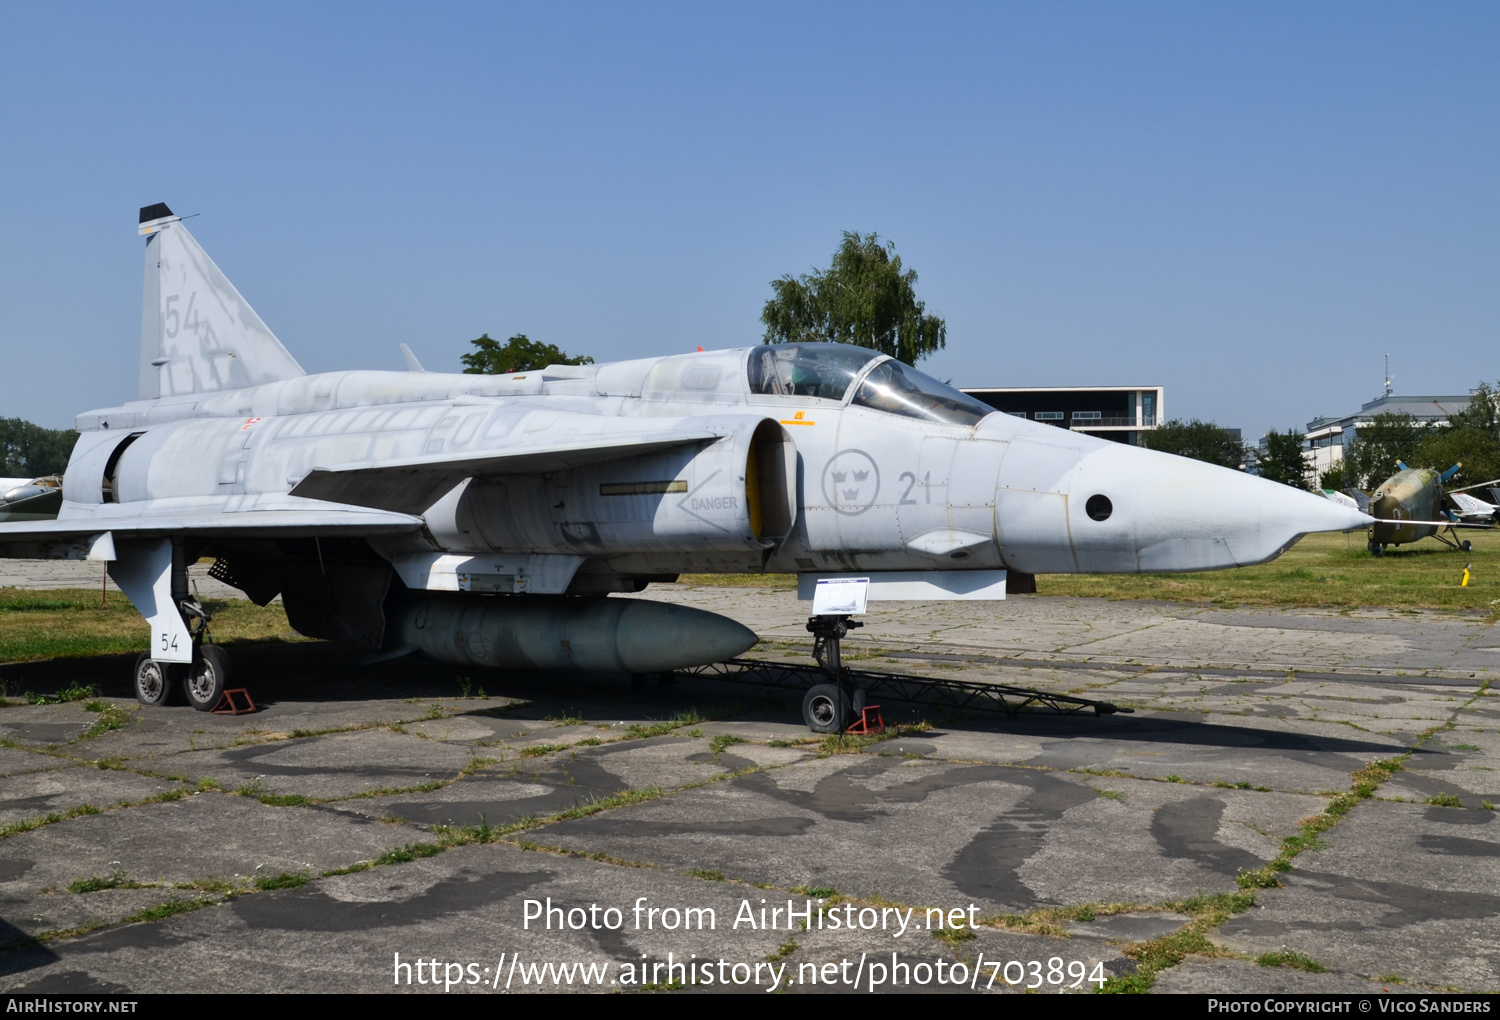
x=1408, y=507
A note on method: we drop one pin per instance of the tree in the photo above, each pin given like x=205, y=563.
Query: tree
x=1471, y=437
x=30, y=450
x=1200, y=440
x=518, y=354
x=1283, y=461
x=863, y=298
x=1372, y=457
x=1333, y=478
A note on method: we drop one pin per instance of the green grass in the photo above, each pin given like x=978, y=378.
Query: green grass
x=408, y=853
x=1366, y=781
x=283, y=800
x=784, y=950
x=818, y=892
x=1444, y=800
x=285, y=880
x=1207, y=913
x=783, y=582
x=27, y=824
x=712, y=876
x=724, y=740
x=70, y=622
x=111, y=717
x=1210, y=912
x=660, y=729
x=171, y=908
x=1320, y=570
x=1288, y=958
x=116, y=879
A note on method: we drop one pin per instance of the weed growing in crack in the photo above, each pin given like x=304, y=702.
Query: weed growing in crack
x=1294, y=960
x=724, y=740
x=285, y=880
x=116, y=879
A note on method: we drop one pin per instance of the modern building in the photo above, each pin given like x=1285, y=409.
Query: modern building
x=1118, y=413
x=1324, y=441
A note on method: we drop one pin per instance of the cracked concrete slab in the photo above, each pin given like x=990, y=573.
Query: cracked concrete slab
x=205, y=836
x=59, y=790
x=334, y=765
x=1247, y=722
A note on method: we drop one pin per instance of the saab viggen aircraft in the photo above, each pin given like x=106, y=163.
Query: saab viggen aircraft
x=485, y=519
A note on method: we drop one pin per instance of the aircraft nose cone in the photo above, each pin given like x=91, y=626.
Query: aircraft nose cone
x=1176, y=514
x=1285, y=514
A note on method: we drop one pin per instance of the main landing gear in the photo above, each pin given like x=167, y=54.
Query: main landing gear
x=201, y=683
x=832, y=706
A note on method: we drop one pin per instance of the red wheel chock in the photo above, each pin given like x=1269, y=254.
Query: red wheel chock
x=228, y=706
x=869, y=722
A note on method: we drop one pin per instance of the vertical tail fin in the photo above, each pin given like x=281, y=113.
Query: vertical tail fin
x=198, y=335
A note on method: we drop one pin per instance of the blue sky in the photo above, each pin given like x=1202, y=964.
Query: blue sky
x=1247, y=203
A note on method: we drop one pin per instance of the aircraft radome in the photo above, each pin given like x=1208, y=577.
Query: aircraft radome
x=483, y=519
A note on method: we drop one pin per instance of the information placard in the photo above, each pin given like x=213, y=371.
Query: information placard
x=841, y=596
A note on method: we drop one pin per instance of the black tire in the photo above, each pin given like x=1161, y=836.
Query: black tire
x=825, y=709
x=208, y=678
x=1466, y=545
x=153, y=681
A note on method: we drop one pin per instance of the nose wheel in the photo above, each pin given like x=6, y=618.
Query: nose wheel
x=826, y=708
x=831, y=707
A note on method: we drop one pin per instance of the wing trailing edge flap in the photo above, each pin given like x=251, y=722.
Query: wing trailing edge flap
x=412, y=486
x=76, y=533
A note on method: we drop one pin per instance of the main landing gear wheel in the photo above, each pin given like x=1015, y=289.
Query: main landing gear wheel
x=825, y=709
x=154, y=681
x=1375, y=548
x=1466, y=545
x=207, y=678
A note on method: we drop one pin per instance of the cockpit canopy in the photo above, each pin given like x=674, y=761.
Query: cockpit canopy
x=901, y=389
x=827, y=371
x=823, y=371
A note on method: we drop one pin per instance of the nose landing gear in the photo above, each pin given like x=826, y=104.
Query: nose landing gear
x=831, y=707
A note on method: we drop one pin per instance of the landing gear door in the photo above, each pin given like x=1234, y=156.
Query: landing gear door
x=143, y=570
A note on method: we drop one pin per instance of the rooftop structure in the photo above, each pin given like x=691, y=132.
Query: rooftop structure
x=1118, y=413
x=1325, y=438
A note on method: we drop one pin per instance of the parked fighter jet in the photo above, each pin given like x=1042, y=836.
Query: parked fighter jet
x=1408, y=507
x=30, y=499
x=1474, y=511
x=479, y=519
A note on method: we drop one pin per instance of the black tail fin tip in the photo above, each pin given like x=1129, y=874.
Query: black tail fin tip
x=154, y=212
